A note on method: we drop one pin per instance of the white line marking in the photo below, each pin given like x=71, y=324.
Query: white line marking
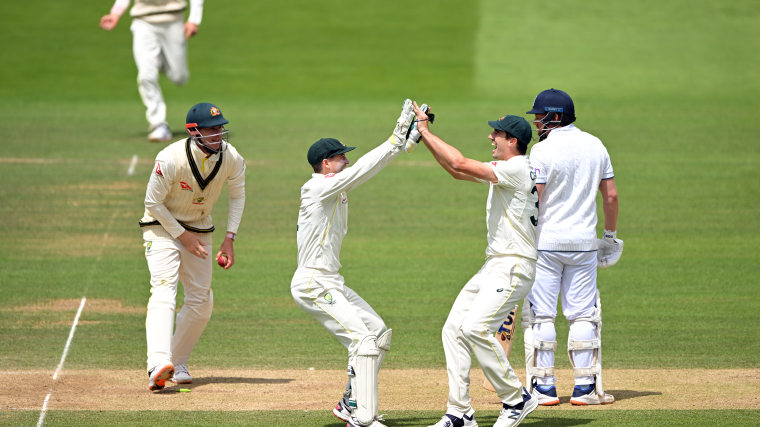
x=44, y=411
x=71, y=336
x=63, y=359
x=132, y=165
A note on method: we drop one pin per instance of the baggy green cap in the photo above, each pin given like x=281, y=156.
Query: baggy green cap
x=515, y=126
x=326, y=148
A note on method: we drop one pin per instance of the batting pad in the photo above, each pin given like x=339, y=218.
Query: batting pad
x=366, y=379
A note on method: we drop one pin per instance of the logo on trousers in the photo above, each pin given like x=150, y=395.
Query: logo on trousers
x=329, y=298
x=148, y=245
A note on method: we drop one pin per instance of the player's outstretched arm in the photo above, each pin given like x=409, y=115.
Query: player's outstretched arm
x=459, y=166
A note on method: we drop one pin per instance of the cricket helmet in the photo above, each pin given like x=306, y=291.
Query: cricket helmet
x=558, y=107
x=207, y=115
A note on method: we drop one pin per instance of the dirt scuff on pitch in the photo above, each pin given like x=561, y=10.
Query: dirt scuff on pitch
x=91, y=305
x=413, y=389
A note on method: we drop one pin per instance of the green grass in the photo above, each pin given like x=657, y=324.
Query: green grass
x=669, y=87
x=544, y=418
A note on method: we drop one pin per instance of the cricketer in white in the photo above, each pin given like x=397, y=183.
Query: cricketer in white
x=185, y=183
x=504, y=280
x=159, y=45
x=318, y=288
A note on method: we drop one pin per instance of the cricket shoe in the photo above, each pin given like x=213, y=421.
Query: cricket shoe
x=449, y=420
x=342, y=410
x=587, y=395
x=158, y=376
x=160, y=133
x=546, y=394
x=353, y=422
x=181, y=375
x=512, y=415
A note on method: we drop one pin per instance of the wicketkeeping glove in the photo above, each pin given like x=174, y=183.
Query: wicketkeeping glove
x=610, y=250
x=403, y=124
x=414, y=135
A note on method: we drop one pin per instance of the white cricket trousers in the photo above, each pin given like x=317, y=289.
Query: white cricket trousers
x=158, y=47
x=572, y=274
x=478, y=312
x=339, y=309
x=169, y=263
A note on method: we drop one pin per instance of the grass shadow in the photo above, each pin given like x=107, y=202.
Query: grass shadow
x=198, y=382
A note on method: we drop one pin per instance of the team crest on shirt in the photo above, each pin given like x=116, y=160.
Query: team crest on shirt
x=158, y=170
x=328, y=297
x=199, y=201
x=184, y=186
x=215, y=111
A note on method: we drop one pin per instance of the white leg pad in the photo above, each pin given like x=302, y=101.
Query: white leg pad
x=366, y=380
x=595, y=344
x=384, y=345
x=533, y=345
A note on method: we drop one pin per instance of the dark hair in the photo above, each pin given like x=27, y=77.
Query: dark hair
x=566, y=119
x=521, y=148
x=317, y=168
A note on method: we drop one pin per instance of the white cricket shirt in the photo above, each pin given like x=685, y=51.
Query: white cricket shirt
x=572, y=164
x=512, y=209
x=323, y=216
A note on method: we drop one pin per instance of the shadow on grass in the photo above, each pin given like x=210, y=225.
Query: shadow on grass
x=619, y=395
x=197, y=382
x=484, y=420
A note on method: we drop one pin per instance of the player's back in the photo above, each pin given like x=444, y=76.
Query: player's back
x=571, y=164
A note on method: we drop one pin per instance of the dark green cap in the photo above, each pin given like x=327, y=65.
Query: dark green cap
x=515, y=126
x=204, y=115
x=326, y=148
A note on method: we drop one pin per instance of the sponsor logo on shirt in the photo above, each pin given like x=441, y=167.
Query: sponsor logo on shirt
x=538, y=171
x=158, y=169
x=343, y=198
x=494, y=163
x=184, y=186
x=199, y=201
x=329, y=175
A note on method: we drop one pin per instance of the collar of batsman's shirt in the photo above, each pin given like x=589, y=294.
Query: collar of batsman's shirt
x=204, y=163
x=568, y=128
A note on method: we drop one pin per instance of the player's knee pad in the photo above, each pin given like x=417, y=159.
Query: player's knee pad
x=384, y=345
x=594, y=369
x=364, y=383
x=533, y=345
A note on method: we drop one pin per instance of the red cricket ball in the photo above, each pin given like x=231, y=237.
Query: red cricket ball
x=222, y=260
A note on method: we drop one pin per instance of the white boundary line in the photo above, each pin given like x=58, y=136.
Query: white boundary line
x=63, y=359
x=132, y=165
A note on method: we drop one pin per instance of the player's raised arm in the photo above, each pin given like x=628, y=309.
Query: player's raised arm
x=459, y=166
x=328, y=157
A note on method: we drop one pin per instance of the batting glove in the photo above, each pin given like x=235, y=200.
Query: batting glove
x=414, y=135
x=403, y=124
x=610, y=250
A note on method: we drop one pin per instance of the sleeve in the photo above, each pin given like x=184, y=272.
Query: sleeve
x=364, y=169
x=483, y=181
x=539, y=165
x=236, y=184
x=196, y=12
x=161, y=181
x=607, y=171
x=119, y=7
x=509, y=173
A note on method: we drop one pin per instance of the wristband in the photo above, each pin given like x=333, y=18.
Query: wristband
x=231, y=235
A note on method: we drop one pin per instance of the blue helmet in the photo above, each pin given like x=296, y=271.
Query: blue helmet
x=553, y=100
x=558, y=107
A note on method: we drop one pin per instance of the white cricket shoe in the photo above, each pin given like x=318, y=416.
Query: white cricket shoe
x=160, y=133
x=588, y=396
x=181, y=375
x=546, y=394
x=342, y=410
x=158, y=376
x=449, y=420
x=511, y=416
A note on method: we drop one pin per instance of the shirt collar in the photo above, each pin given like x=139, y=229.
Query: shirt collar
x=200, y=155
x=568, y=128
